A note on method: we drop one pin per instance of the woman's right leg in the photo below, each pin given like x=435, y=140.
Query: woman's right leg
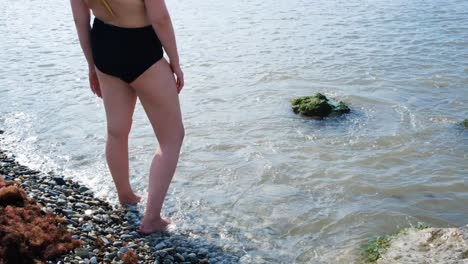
x=156, y=89
x=119, y=102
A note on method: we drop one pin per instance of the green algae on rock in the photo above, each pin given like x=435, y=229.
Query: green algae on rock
x=464, y=123
x=376, y=247
x=318, y=105
x=430, y=245
x=419, y=244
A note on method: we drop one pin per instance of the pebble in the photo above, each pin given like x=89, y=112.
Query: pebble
x=82, y=205
x=93, y=260
x=82, y=252
x=117, y=243
x=88, y=212
x=83, y=189
x=160, y=245
x=179, y=257
x=59, y=181
x=126, y=237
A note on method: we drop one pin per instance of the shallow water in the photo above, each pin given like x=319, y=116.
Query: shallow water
x=253, y=175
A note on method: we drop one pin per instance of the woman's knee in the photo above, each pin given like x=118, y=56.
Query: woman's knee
x=118, y=132
x=179, y=136
x=175, y=141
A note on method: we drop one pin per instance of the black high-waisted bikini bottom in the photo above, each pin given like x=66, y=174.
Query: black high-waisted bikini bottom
x=124, y=52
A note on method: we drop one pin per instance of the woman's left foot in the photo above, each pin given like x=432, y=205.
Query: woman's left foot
x=130, y=200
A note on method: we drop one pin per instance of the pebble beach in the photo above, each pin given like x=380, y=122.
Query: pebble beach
x=107, y=231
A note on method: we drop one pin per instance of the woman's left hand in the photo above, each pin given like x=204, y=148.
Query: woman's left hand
x=179, y=76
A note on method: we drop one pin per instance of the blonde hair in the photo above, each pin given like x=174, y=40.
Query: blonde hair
x=108, y=7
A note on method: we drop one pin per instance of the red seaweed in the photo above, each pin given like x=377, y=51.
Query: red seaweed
x=27, y=234
x=130, y=257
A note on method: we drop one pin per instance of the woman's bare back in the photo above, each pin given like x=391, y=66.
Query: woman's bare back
x=127, y=13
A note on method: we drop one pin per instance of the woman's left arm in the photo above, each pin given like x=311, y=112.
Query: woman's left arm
x=81, y=16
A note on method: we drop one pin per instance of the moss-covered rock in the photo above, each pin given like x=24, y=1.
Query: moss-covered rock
x=431, y=245
x=465, y=123
x=318, y=106
x=419, y=244
x=378, y=246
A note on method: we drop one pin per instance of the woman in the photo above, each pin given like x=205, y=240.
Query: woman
x=124, y=51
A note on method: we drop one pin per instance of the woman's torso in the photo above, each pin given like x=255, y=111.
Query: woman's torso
x=127, y=13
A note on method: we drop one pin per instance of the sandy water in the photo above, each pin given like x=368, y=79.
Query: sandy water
x=252, y=175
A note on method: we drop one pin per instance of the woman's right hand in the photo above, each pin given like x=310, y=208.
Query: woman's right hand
x=94, y=82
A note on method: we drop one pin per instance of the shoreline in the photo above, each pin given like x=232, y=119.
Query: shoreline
x=107, y=231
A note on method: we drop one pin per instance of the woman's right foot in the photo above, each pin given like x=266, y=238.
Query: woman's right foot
x=149, y=227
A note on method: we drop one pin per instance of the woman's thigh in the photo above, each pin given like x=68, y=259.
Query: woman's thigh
x=119, y=102
x=157, y=91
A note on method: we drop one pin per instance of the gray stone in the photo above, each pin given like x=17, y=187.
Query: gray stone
x=83, y=189
x=82, y=252
x=179, y=257
x=59, y=181
x=203, y=251
x=167, y=261
x=160, y=245
x=117, y=243
x=126, y=237
x=93, y=260
x=123, y=249
x=82, y=205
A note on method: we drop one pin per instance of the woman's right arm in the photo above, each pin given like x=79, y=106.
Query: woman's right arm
x=159, y=17
x=82, y=16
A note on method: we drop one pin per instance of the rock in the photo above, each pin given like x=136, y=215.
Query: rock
x=88, y=212
x=123, y=249
x=83, y=189
x=160, y=245
x=203, y=252
x=115, y=217
x=192, y=258
x=245, y=259
x=109, y=230
x=162, y=253
x=117, y=243
x=167, y=261
x=428, y=245
x=126, y=237
x=82, y=252
x=1, y=131
x=464, y=123
x=82, y=205
x=93, y=260
x=318, y=106
x=179, y=257
x=59, y=181
x=170, y=250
